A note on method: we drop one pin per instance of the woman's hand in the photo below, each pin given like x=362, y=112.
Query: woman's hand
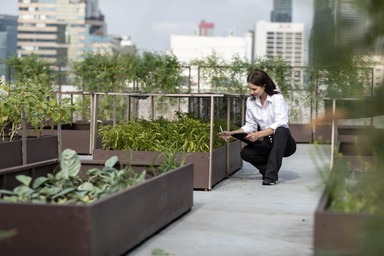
x=253, y=136
x=224, y=135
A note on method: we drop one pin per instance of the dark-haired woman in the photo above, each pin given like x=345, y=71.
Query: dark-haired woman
x=266, y=127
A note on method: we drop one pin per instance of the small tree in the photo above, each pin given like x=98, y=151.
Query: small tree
x=159, y=73
x=37, y=105
x=31, y=69
x=100, y=72
x=230, y=76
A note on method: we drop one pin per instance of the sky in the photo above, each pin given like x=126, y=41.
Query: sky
x=149, y=23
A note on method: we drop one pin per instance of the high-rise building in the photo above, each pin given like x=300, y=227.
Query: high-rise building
x=286, y=40
x=282, y=11
x=56, y=29
x=322, y=39
x=280, y=39
x=351, y=24
x=8, y=41
x=340, y=25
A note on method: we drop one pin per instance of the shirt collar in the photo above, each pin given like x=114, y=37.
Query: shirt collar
x=269, y=98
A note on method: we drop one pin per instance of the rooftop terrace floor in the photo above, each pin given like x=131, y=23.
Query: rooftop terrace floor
x=239, y=216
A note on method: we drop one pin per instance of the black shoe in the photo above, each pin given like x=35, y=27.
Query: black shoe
x=269, y=182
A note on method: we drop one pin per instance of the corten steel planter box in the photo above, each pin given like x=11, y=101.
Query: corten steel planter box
x=337, y=233
x=38, y=149
x=234, y=158
x=110, y=226
x=323, y=133
x=204, y=177
x=302, y=133
x=75, y=136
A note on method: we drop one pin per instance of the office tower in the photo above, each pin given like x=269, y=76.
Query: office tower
x=8, y=41
x=351, y=25
x=57, y=29
x=282, y=11
x=284, y=40
x=340, y=24
x=280, y=39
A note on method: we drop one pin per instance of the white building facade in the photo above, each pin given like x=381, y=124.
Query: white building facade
x=280, y=39
x=188, y=48
x=284, y=40
x=58, y=29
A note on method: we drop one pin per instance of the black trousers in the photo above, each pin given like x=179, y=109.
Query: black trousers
x=267, y=156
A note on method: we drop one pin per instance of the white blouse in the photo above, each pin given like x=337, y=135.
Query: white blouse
x=273, y=114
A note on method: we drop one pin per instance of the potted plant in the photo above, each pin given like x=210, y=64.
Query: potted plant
x=28, y=103
x=350, y=212
x=144, y=141
x=96, y=208
x=344, y=212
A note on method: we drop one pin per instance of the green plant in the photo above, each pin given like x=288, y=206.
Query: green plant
x=30, y=97
x=184, y=134
x=101, y=72
x=4, y=234
x=159, y=73
x=65, y=186
x=169, y=160
x=31, y=69
x=159, y=252
x=230, y=76
x=349, y=76
x=35, y=104
x=352, y=190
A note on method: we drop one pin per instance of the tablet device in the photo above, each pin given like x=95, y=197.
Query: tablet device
x=241, y=136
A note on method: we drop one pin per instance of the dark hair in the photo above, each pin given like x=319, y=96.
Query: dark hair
x=261, y=78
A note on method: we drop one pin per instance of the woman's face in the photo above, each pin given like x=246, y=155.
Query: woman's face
x=256, y=90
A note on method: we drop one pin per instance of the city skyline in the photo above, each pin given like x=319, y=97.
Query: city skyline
x=151, y=23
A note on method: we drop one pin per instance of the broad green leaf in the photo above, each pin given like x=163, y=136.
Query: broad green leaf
x=111, y=161
x=7, y=233
x=108, y=170
x=50, y=191
x=63, y=192
x=159, y=252
x=80, y=194
x=86, y=186
x=25, y=180
x=141, y=177
x=70, y=163
x=38, y=182
x=23, y=191
x=93, y=171
x=14, y=199
x=6, y=192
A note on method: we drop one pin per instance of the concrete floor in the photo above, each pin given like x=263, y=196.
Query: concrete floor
x=239, y=216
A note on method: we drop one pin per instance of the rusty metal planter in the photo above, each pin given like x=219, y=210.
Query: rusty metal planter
x=225, y=161
x=337, y=233
x=38, y=149
x=111, y=226
x=75, y=136
x=302, y=133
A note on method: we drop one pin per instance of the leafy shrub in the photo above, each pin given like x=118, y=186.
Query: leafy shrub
x=65, y=186
x=184, y=134
x=37, y=103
